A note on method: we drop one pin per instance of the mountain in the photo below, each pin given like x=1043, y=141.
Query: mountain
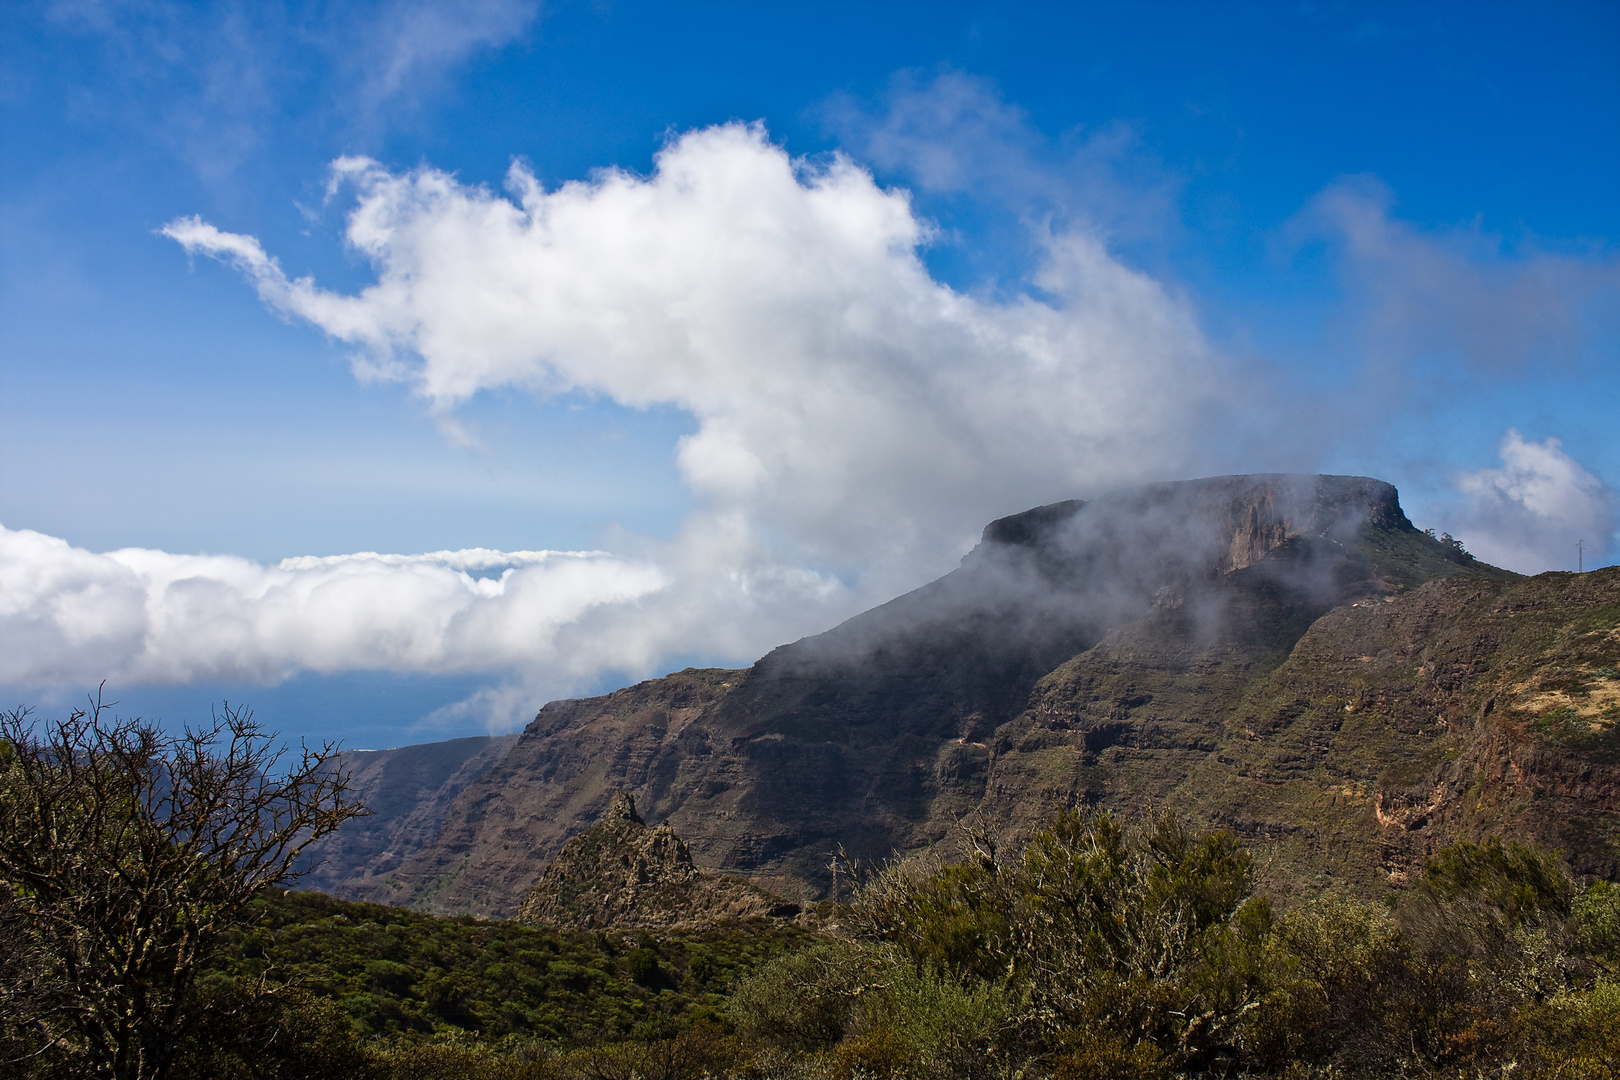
x=1283, y=655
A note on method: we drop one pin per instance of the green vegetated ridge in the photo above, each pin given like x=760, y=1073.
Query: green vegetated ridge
x=1462, y=707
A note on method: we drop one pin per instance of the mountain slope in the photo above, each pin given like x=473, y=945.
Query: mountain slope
x=409, y=791
x=1180, y=643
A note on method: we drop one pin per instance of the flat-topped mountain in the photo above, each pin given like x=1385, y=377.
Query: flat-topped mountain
x=1283, y=655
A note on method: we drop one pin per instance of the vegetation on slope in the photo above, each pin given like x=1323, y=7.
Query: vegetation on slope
x=396, y=973
x=1102, y=949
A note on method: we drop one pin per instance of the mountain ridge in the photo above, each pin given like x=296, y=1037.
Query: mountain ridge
x=1118, y=651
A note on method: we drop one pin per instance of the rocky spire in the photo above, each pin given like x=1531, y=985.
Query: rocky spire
x=623, y=808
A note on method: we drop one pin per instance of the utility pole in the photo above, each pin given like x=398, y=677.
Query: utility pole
x=1580, y=556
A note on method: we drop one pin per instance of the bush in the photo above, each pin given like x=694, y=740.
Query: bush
x=1145, y=936
x=925, y=1025
x=267, y=1032
x=805, y=1001
x=1595, y=925
x=1332, y=966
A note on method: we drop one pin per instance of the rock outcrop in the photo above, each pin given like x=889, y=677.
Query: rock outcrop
x=1283, y=655
x=622, y=874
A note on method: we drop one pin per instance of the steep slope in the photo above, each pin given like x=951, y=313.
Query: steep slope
x=409, y=791
x=1465, y=706
x=1121, y=651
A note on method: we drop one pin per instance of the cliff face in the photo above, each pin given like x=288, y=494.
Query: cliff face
x=1284, y=655
x=409, y=791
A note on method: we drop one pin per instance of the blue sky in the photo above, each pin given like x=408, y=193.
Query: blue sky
x=781, y=304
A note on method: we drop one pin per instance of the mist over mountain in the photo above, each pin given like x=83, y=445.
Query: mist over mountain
x=1282, y=655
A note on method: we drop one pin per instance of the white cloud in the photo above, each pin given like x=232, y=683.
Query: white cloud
x=852, y=411
x=138, y=615
x=1528, y=515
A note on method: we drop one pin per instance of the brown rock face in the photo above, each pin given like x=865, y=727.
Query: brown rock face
x=621, y=874
x=1284, y=655
x=409, y=791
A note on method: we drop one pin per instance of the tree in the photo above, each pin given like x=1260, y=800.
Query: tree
x=124, y=854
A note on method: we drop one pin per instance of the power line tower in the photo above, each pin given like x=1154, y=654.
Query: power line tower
x=1580, y=556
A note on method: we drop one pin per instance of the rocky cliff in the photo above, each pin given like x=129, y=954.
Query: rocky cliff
x=1285, y=655
x=409, y=791
x=624, y=874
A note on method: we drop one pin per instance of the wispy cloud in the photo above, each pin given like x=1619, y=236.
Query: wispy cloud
x=1457, y=295
x=954, y=136
x=217, y=81
x=407, y=47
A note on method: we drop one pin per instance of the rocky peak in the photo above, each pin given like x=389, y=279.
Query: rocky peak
x=622, y=873
x=623, y=808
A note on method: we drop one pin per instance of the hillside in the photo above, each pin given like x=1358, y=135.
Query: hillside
x=1283, y=655
x=409, y=791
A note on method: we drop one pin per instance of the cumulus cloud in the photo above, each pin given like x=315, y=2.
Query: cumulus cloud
x=1528, y=514
x=851, y=410
x=1452, y=294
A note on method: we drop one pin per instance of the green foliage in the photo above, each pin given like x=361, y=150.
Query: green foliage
x=1151, y=935
x=1595, y=925
x=1100, y=951
x=933, y=1026
x=1120, y=952
x=396, y=973
x=806, y=1000
x=1522, y=884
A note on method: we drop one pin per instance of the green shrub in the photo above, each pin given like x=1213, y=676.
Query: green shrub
x=268, y=1032
x=1133, y=936
x=805, y=1001
x=1595, y=925
x=922, y=1025
x=1331, y=967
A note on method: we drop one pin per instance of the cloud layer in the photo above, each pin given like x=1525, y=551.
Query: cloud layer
x=72, y=616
